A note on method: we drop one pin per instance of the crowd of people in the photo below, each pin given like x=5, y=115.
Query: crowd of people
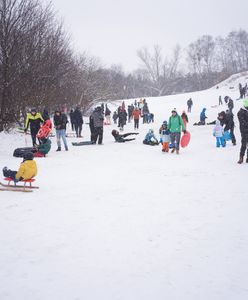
x=170, y=130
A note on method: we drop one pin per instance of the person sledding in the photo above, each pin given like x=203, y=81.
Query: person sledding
x=42, y=149
x=164, y=136
x=150, y=138
x=27, y=169
x=203, y=117
x=175, y=126
x=121, y=138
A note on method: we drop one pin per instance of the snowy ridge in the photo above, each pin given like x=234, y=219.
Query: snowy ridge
x=126, y=221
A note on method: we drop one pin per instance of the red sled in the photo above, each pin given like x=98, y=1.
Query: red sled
x=185, y=139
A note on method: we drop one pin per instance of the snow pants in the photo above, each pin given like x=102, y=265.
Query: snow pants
x=220, y=141
x=244, y=145
x=9, y=173
x=165, y=146
x=175, y=139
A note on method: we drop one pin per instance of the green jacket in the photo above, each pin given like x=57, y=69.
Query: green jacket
x=176, y=124
x=45, y=147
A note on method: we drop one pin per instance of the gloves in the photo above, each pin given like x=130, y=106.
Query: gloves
x=184, y=131
x=25, y=130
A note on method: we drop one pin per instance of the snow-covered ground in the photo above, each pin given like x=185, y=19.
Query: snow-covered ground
x=128, y=222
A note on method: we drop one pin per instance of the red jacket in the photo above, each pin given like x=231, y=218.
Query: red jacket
x=136, y=114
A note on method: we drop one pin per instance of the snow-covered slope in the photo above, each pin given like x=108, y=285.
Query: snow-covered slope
x=124, y=221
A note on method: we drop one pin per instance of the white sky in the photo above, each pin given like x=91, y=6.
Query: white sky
x=114, y=30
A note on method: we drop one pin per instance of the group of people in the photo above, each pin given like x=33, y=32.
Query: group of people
x=170, y=133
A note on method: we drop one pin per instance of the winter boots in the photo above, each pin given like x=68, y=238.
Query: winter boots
x=241, y=160
x=173, y=150
x=59, y=149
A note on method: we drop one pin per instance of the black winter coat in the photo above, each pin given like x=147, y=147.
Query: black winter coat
x=243, y=120
x=60, y=121
x=229, y=121
x=77, y=117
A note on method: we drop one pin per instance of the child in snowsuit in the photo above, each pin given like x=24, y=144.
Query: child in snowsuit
x=184, y=118
x=164, y=137
x=120, y=138
x=218, y=132
x=43, y=148
x=150, y=138
x=27, y=169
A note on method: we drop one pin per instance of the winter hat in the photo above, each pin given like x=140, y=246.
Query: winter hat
x=174, y=110
x=245, y=103
x=28, y=156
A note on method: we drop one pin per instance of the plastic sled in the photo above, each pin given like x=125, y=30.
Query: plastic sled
x=185, y=139
x=227, y=136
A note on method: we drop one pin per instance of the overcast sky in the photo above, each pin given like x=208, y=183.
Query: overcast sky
x=114, y=30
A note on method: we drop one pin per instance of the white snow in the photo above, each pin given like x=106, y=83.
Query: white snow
x=128, y=222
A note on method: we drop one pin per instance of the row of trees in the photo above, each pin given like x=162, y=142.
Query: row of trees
x=38, y=67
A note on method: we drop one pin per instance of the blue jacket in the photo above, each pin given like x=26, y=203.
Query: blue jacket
x=203, y=115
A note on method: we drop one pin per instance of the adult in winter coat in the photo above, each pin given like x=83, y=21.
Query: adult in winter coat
x=122, y=115
x=107, y=115
x=203, y=116
x=189, y=104
x=229, y=125
x=243, y=125
x=72, y=121
x=115, y=117
x=78, y=121
x=34, y=119
x=97, y=122
x=136, y=117
x=230, y=105
x=175, y=126
x=60, y=121
x=27, y=169
x=121, y=138
x=185, y=119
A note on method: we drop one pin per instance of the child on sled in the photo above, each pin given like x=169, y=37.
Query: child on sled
x=150, y=138
x=27, y=169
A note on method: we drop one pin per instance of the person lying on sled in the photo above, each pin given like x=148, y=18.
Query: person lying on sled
x=27, y=169
x=121, y=138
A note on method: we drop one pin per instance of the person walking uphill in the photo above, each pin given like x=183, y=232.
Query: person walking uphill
x=175, y=126
x=60, y=121
x=34, y=119
x=97, y=121
x=136, y=116
x=243, y=123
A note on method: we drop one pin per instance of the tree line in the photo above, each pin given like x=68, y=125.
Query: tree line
x=38, y=67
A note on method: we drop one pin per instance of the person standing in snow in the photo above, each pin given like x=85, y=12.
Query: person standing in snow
x=229, y=125
x=34, y=119
x=189, y=104
x=230, y=105
x=107, y=115
x=60, y=121
x=136, y=117
x=78, y=121
x=185, y=119
x=72, y=121
x=218, y=133
x=97, y=121
x=175, y=126
x=243, y=123
x=220, y=100
x=164, y=137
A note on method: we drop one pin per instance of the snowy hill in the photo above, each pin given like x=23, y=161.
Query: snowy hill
x=126, y=221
